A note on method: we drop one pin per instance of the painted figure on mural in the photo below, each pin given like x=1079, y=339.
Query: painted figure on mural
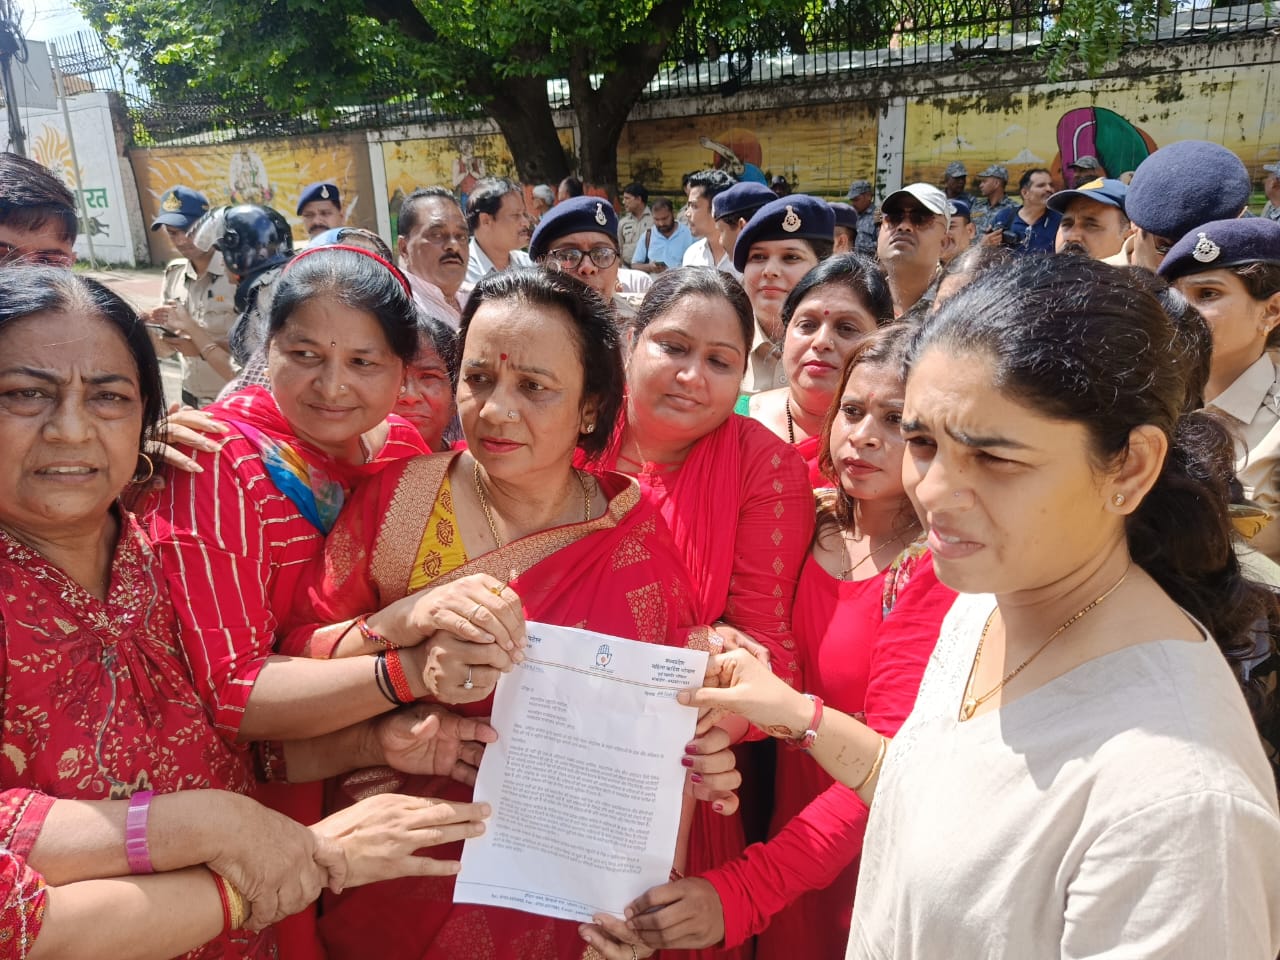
x=468, y=169
x=247, y=180
x=738, y=153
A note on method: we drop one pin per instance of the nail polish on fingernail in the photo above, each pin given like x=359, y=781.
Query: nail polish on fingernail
x=686, y=761
x=695, y=777
x=718, y=807
x=691, y=748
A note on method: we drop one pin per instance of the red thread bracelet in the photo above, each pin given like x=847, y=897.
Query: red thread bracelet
x=395, y=673
x=372, y=636
x=807, y=739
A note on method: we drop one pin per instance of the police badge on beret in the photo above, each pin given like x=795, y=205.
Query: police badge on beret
x=1205, y=250
x=791, y=222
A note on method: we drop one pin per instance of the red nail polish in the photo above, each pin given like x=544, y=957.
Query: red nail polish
x=686, y=761
x=691, y=748
x=695, y=777
x=718, y=807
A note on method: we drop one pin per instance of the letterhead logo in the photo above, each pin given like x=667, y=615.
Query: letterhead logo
x=603, y=656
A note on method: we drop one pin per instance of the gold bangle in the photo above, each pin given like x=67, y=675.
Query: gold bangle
x=236, y=912
x=208, y=348
x=875, y=766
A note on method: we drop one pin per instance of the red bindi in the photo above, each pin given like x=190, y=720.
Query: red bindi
x=826, y=313
x=502, y=356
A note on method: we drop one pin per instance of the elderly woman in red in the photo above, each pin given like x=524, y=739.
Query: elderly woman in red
x=541, y=372
x=97, y=703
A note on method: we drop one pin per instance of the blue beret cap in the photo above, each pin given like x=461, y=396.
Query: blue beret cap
x=575, y=215
x=180, y=207
x=1223, y=243
x=961, y=208
x=324, y=190
x=846, y=216
x=797, y=217
x=1185, y=184
x=741, y=200
x=1111, y=192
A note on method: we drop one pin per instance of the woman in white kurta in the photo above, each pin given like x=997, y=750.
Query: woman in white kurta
x=1080, y=776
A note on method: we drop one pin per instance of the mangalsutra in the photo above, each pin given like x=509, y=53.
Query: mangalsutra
x=849, y=569
x=972, y=703
x=488, y=513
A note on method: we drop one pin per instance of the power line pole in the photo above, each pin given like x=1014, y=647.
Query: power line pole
x=12, y=47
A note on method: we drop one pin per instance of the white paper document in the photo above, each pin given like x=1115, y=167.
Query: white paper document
x=585, y=779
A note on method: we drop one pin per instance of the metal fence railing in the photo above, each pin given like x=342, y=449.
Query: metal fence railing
x=836, y=38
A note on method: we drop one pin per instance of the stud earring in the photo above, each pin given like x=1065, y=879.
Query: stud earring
x=587, y=428
x=512, y=415
x=1118, y=499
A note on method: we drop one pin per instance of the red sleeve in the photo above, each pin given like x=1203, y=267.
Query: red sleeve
x=22, y=816
x=341, y=588
x=775, y=529
x=211, y=535
x=824, y=838
x=24, y=895
x=808, y=854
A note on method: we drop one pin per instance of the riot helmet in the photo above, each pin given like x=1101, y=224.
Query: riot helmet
x=254, y=237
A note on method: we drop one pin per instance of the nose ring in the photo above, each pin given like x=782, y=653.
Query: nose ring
x=512, y=415
x=342, y=388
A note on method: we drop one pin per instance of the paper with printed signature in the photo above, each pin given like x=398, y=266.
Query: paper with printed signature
x=585, y=779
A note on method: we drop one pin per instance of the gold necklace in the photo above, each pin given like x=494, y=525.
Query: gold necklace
x=488, y=514
x=848, y=570
x=972, y=703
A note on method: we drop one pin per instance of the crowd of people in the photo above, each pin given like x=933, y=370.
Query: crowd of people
x=971, y=503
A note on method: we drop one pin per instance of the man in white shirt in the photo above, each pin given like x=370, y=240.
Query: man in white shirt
x=706, y=250
x=499, y=228
x=433, y=252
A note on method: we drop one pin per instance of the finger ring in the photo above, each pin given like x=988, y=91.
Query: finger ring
x=475, y=611
x=467, y=684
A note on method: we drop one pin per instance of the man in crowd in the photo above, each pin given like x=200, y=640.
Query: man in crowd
x=499, y=228
x=862, y=200
x=954, y=180
x=706, y=251
x=1032, y=227
x=913, y=238
x=320, y=207
x=732, y=209
x=433, y=249
x=635, y=220
x=1093, y=219
x=991, y=184
x=198, y=292
x=846, y=227
x=544, y=198
x=1083, y=169
x=37, y=214
x=1271, y=187
x=960, y=231
x=663, y=245
x=1175, y=190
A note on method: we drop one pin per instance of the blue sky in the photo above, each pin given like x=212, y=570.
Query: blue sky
x=46, y=19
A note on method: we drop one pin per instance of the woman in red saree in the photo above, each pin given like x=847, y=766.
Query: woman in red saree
x=540, y=372
x=825, y=316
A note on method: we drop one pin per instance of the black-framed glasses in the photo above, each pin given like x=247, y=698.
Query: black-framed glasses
x=569, y=258
x=917, y=216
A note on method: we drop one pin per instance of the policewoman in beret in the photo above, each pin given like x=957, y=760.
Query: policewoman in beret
x=780, y=244
x=579, y=236
x=1230, y=271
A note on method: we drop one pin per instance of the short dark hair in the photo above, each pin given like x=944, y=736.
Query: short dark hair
x=595, y=334
x=637, y=189
x=31, y=196
x=486, y=197
x=662, y=203
x=856, y=271
x=1025, y=180
x=712, y=182
x=411, y=209
x=355, y=280
x=572, y=186
x=29, y=290
x=672, y=286
x=1083, y=342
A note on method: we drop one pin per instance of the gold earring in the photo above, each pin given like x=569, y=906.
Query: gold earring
x=588, y=427
x=1118, y=499
x=151, y=469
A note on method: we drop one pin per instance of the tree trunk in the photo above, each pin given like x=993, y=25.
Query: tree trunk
x=522, y=112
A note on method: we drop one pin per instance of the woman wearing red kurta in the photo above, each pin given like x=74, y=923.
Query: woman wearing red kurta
x=96, y=703
x=540, y=371
x=825, y=316
x=867, y=614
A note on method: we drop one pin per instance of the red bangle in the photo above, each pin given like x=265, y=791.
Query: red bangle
x=807, y=739
x=372, y=636
x=395, y=673
x=221, y=884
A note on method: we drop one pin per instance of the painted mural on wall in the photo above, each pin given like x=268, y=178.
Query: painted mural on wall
x=270, y=172
x=819, y=149
x=456, y=163
x=1117, y=120
x=105, y=217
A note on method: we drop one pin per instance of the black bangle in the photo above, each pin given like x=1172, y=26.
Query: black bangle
x=383, y=679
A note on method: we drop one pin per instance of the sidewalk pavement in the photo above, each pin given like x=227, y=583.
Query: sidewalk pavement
x=140, y=286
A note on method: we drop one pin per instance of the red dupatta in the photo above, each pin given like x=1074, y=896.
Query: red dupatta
x=618, y=574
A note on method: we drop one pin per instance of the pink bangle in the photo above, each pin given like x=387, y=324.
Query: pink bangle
x=135, y=833
x=807, y=739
